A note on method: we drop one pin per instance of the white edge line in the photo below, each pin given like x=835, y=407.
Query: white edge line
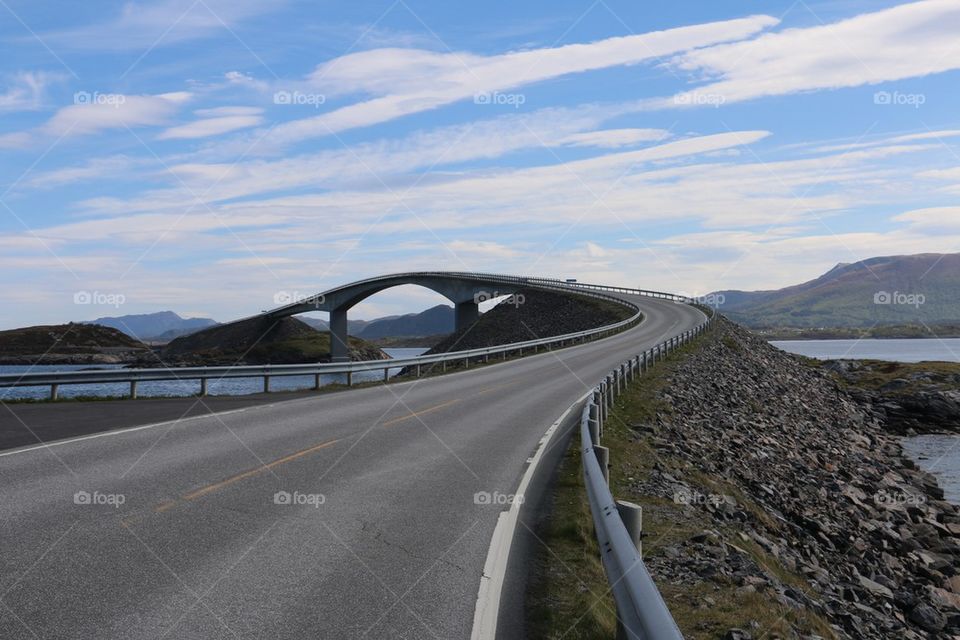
x=495, y=567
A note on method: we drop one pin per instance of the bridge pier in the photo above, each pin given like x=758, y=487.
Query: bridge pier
x=466, y=314
x=339, y=352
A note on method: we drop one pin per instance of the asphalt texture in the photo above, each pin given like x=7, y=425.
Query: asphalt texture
x=338, y=515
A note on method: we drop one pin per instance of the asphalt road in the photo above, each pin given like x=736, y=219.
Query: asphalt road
x=183, y=535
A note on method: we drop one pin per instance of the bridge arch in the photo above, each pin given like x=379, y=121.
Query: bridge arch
x=465, y=291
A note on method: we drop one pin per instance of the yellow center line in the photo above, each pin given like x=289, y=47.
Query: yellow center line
x=489, y=389
x=163, y=506
x=253, y=472
x=417, y=414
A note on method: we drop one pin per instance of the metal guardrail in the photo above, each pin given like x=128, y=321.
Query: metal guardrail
x=203, y=374
x=641, y=612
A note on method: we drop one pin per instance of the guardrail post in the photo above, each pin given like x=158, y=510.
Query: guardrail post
x=594, y=425
x=603, y=458
x=203, y=387
x=266, y=384
x=386, y=373
x=316, y=382
x=418, y=369
x=466, y=363
x=632, y=516
x=349, y=378
x=133, y=389
x=594, y=415
x=54, y=391
x=604, y=412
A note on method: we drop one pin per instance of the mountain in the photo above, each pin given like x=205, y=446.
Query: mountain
x=162, y=326
x=353, y=326
x=438, y=320
x=893, y=290
x=434, y=321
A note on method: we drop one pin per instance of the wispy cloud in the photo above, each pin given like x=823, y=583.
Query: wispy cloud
x=408, y=81
x=867, y=49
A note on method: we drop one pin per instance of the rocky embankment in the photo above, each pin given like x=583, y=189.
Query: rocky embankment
x=909, y=398
x=780, y=460
x=533, y=314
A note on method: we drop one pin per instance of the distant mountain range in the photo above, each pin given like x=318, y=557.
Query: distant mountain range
x=895, y=290
x=434, y=321
x=164, y=326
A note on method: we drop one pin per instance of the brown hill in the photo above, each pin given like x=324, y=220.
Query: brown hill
x=69, y=344
x=260, y=340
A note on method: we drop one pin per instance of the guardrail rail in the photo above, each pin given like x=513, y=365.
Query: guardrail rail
x=641, y=612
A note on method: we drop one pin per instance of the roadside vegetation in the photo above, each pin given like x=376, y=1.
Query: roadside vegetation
x=569, y=595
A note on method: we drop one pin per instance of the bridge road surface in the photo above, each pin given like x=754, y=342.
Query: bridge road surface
x=200, y=549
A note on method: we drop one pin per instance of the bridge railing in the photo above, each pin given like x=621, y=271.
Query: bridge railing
x=642, y=613
x=133, y=376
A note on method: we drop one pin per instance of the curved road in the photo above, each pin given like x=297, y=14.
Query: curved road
x=384, y=539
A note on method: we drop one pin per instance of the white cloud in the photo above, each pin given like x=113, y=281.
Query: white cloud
x=932, y=218
x=94, y=169
x=140, y=24
x=613, y=138
x=906, y=41
x=25, y=91
x=409, y=81
x=216, y=121
x=96, y=112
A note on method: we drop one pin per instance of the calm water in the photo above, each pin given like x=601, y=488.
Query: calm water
x=940, y=455
x=905, y=350
x=229, y=387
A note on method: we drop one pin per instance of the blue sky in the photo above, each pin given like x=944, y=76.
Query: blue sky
x=213, y=156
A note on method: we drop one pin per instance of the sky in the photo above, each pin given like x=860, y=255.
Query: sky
x=218, y=157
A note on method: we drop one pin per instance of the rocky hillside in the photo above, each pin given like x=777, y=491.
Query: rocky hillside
x=913, y=290
x=533, y=314
x=784, y=465
x=260, y=341
x=69, y=344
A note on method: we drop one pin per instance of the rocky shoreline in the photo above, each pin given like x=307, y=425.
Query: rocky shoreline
x=787, y=465
x=908, y=399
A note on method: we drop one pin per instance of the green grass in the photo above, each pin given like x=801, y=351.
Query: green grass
x=568, y=595
x=882, y=372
